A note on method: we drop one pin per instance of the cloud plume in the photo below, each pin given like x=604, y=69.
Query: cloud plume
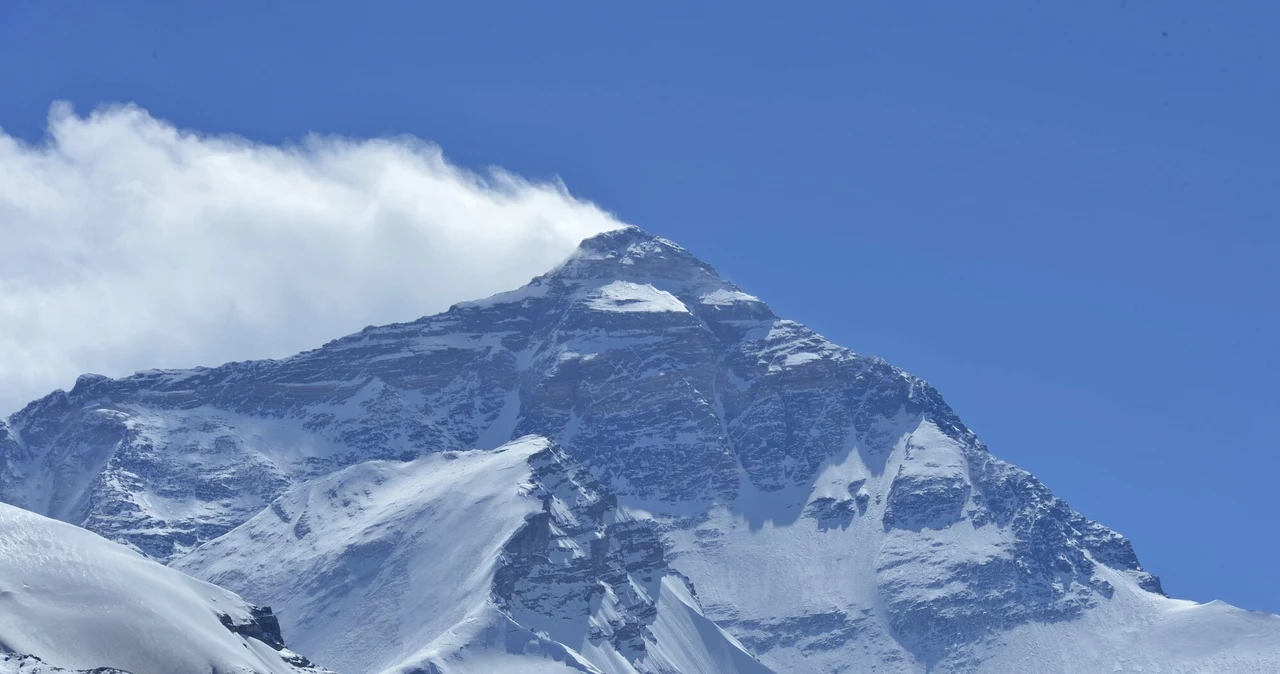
x=127, y=243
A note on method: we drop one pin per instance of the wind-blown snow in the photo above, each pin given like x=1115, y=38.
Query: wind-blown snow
x=161, y=247
x=78, y=601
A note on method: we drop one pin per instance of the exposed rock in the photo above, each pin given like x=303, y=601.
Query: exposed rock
x=262, y=625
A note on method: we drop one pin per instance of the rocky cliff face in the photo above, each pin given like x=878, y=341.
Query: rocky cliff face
x=830, y=508
x=579, y=562
x=585, y=573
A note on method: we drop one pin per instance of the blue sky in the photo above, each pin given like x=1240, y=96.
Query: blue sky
x=1066, y=218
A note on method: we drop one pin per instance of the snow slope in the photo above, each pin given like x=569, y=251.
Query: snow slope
x=77, y=601
x=401, y=566
x=626, y=296
x=11, y=663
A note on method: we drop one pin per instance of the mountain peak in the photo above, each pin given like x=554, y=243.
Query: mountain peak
x=623, y=236
x=630, y=254
x=633, y=255
x=634, y=269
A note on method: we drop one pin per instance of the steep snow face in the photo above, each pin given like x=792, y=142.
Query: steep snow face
x=433, y=563
x=625, y=296
x=71, y=600
x=371, y=563
x=490, y=642
x=832, y=512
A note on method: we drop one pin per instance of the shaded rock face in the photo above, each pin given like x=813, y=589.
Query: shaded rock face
x=262, y=625
x=674, y=388
x=580, y=568
x=265, y=627
x=11, y=457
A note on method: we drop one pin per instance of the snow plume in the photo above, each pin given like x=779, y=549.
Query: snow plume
x=127, y=243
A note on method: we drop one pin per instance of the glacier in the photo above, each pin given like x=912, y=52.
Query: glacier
x=651, y=472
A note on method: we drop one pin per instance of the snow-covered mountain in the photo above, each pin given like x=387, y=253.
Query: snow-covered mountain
x=785, y=497
x=71, y=600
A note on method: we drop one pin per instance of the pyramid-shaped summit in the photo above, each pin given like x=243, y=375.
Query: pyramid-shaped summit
x=631, y=251
x=628, y=259
x=826, y=510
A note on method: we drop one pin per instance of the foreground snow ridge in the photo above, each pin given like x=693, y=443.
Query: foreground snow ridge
x=627, y=466
x=71, y=600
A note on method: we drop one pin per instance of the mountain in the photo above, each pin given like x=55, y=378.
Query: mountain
x=818, y=509
x=71, y=600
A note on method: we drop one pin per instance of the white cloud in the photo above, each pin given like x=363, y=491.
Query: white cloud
x=126, y=244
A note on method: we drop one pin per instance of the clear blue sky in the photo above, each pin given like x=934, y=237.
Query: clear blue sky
x=1067, y=218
